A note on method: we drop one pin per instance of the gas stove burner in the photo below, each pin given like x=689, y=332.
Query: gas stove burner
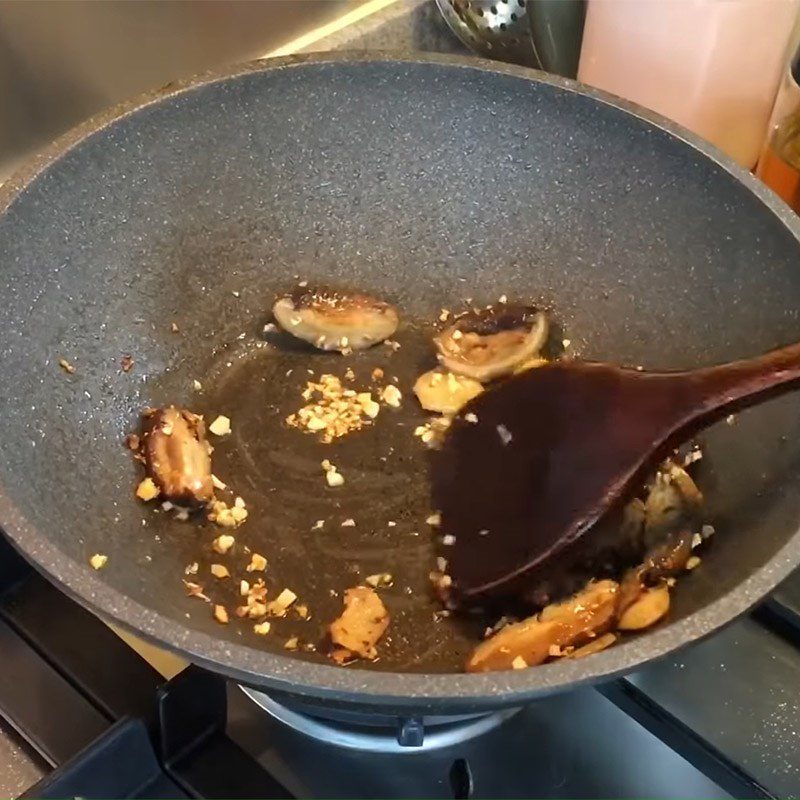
x=378, y=733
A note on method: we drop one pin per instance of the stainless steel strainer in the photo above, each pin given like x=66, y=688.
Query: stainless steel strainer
x=497, y=29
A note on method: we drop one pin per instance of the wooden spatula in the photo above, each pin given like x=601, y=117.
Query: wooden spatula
x=527, y=468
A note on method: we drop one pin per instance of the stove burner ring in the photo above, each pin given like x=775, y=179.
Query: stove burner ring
x=378, y=733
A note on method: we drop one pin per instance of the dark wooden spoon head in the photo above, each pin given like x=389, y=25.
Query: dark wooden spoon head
x=553, y=449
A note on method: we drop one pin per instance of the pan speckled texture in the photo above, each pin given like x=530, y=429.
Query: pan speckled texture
x=424, y=180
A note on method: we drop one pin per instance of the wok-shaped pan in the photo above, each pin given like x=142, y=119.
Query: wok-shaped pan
x=424, y=180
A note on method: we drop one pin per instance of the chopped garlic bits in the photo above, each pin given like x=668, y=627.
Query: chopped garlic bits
x=257, y=563
x=332, y=475
x=432, y=432
x=227, y=516
x=221, y=426
x=280, y=605
x=147, y=490
x=223, y=543
x=391, y=395
x=332, y=410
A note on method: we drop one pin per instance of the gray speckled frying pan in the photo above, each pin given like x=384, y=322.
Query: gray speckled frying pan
x=424, y=180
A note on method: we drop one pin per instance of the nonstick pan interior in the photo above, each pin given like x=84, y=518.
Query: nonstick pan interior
x=426, y=184
x=320, y=540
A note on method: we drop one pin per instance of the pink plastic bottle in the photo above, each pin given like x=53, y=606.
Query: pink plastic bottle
x=711, y=65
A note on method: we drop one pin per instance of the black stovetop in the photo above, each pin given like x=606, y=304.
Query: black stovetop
x=721, y=719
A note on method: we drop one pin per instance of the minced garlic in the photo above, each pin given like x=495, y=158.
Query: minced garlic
x=391, y=395
x=147, y=490
x=257, y=563
x=380, y=579
x=98, y=561
x=332, y=474
x=332, y=410
x=221, y=426
x=432, y=432
x=279, y=606
x=227, y=516
x=223, y=543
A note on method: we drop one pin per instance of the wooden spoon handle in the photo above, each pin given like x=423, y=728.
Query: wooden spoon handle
x=743, y=383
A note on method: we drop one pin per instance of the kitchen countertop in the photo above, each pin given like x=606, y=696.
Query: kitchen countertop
x=19, y=768
x=402, y=26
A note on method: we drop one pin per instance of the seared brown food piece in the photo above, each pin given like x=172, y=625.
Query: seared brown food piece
x=654, y=535
x=658, y=533
x=673, y=502
x=363, y=621
x=333, y=321
x=444, y=392
x=663, y=561
x=614, y=545
x=647, y=609
x=595, y=646
x=176, y=455
x=668, y=558
x=488, y=344
x=569, y=624
x=642, y=598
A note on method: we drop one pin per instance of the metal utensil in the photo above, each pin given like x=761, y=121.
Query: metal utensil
x=556, y=28
x=497, y=29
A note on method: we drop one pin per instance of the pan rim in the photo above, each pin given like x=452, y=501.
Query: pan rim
x=329, y=683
